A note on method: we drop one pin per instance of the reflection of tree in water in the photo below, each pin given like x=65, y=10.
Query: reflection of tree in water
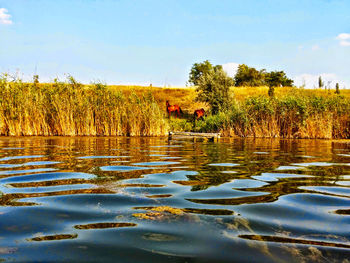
x=279, y=153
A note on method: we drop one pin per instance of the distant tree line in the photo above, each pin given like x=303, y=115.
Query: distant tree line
x=245, y=76
x=213, y=83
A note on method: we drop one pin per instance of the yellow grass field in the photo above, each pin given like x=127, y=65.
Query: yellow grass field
x=185, y=96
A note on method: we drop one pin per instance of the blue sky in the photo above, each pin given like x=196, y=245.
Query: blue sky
x=143, y=42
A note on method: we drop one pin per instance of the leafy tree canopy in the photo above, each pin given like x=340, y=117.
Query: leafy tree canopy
x=277, y=79
x=199, y=69
x=247, y=76
x=213, y=89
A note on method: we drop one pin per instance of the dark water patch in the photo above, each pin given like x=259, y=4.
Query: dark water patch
x=342, y=211
x=213, y=212
x=159, y=196
x=105, y=225
x=280, y=239
x=54, y=237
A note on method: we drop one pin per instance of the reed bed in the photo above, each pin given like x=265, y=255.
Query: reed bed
x=293, y=115
x=72, y=109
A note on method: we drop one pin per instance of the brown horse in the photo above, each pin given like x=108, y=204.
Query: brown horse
x=199, y=114
x=171, y=108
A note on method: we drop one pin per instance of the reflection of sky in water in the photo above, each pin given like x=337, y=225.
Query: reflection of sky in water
x=20, y=157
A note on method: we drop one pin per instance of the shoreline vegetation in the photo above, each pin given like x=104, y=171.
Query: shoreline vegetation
x=70, y=108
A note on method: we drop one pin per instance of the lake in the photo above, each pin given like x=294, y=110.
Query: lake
x=111, y=199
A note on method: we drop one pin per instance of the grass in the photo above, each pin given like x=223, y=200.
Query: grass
x=70, y=108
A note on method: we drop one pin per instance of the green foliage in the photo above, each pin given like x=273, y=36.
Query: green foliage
x=251, y=77
x=247, y=76
x=320, y=82
x=199, y=69
x=337, y=90
x=36, y=79
x=214, y=123
x=213, y=89
x=277, y=79
x=177, y=124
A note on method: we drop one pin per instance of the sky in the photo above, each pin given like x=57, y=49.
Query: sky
x=156, y=42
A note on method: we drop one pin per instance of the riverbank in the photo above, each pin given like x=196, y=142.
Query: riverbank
x=73, y=109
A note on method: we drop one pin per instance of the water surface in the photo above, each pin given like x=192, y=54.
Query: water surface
x=87, y=199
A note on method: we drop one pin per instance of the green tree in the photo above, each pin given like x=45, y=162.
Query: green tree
x=35, y=79
x=337, y=90
x=277, y=79
x=320, y=82
x=213, y=89
x=199, y=69
x=247, y=76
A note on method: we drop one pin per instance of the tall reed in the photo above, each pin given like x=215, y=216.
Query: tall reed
x=290, y=116
x=69, y=108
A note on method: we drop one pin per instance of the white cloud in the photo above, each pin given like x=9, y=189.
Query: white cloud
x=311, y=81
x=344, y=39
x=343, y=36
x=5, y=19
x=230, y=68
